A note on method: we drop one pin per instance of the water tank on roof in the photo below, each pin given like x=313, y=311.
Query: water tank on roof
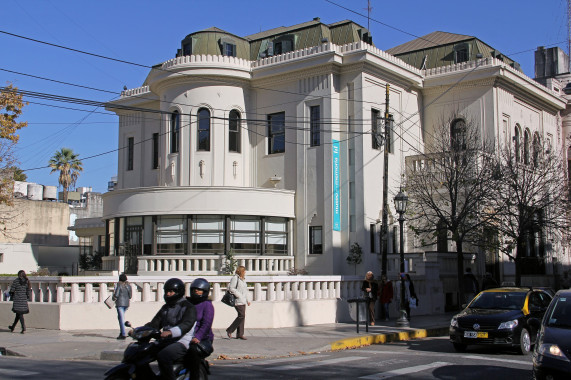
x=20, y=189
x=35, y=192
x=50, y=193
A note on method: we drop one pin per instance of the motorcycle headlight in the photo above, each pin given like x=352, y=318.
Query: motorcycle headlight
x=454, y=322
x=508, y=325
x=553, y=351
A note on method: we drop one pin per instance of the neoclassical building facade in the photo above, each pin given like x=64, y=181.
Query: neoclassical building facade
x=263, y=148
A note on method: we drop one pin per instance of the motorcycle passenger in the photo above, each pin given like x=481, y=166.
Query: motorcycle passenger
x=201, y=343
x=176, y=319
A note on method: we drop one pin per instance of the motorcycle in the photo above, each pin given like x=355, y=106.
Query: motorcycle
x=139, y=355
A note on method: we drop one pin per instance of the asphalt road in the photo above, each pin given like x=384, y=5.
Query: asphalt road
x=431, y=358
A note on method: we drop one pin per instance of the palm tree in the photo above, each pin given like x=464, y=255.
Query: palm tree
x=69, y=167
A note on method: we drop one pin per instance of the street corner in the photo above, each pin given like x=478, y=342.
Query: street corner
x=368, y=340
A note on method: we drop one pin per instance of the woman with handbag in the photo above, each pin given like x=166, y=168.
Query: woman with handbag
x=239, y=288
x=121, y=296
x=19, y=292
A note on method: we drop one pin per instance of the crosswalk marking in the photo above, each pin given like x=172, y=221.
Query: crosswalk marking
x=318, y=363
x=497, y=360
x=404, y=371
x=15, y=373
x=290, y=359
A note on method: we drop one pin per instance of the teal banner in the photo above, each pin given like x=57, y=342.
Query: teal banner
x=336, y=194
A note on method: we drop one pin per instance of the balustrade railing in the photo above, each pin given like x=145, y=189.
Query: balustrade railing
x=96, y=289
x=207, y=265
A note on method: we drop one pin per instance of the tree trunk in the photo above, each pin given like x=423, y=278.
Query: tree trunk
x=460, y=269
x=518, y=255
x=64, y=195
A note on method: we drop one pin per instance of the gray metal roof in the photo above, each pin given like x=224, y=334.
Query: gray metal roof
x=430, y=40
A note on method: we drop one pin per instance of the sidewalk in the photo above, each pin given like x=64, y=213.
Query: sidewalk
x=262, y=343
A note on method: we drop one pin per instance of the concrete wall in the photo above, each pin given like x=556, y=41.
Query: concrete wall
x=259, y=315
x=16, y=256
x=36, y=222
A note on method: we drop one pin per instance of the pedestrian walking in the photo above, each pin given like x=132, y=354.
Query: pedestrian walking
x=121, y=296
x=471, y=287
x=488, y=282
x=410, y=298
x=20, y=290
x=239, y=288
x=386, y=295
x=371, y=288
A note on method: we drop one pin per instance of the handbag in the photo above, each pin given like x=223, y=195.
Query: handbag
x=412, y=302
x=229, y=299
x=109, y=302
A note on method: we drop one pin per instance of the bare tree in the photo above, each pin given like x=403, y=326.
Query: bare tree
x=530, y=199
x=449, y=186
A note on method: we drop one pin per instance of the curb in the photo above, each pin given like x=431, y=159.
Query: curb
x=368, y=340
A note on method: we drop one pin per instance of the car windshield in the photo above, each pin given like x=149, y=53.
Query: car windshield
x=560, y=315
x=498, y=300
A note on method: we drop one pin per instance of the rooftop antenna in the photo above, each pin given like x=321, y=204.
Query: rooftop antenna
x=369, y=9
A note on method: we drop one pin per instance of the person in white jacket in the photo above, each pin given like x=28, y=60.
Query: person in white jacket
x=239, y=288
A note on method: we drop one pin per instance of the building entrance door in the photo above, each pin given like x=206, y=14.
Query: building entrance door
x=133, y=248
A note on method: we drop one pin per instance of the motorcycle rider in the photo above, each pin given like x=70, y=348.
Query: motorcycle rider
x=201, y=343
x=176, y=318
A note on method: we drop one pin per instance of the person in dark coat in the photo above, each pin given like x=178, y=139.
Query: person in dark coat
x=371, y=289
x=386, y=295
x=488, y=282
x=19, y=293
x=471, y=286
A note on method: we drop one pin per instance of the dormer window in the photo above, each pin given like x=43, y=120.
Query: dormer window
x=186, y=48
x=228, y=46
x=283, y=44
x=461, y=53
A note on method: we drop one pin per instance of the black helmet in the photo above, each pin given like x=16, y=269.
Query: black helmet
x=176, y=285
x=202, y=284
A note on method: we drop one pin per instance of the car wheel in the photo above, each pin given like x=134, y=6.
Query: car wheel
x=459, y=347
x=524, y=342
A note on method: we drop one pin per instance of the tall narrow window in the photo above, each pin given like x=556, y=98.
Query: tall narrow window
x=276, y=133
x=375, y=128
x=275, y=236
x=175, y=131
x=315, y=240
x=458, y=135
x=234, y=131
x=517, y=143
x=130, y=152
x=372, y=236
x=155, y=150
x=390, y=138
x=314, y=125
x=526, y=143
x=536, y=149
x=204, y=129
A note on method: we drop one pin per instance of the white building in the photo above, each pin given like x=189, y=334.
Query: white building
x=261, y=145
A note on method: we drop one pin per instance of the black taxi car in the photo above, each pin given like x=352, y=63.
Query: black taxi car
x=500, y=317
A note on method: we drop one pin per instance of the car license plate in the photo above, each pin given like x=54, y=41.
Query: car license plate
x=475, y=334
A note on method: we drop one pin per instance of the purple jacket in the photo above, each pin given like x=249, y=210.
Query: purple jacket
x=204, y=318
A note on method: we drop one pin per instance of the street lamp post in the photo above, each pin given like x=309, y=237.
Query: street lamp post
x=400, y=205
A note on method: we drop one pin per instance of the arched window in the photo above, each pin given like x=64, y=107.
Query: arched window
x=517, y=143
x=526, y=143
x=204, y=129
x=458, y=135
x=175, y=131
x=536, y=149
x=234, y=131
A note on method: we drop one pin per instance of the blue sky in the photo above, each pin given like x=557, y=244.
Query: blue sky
x=149, y=32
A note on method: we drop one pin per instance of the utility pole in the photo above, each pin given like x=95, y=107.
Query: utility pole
x=384, y=225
